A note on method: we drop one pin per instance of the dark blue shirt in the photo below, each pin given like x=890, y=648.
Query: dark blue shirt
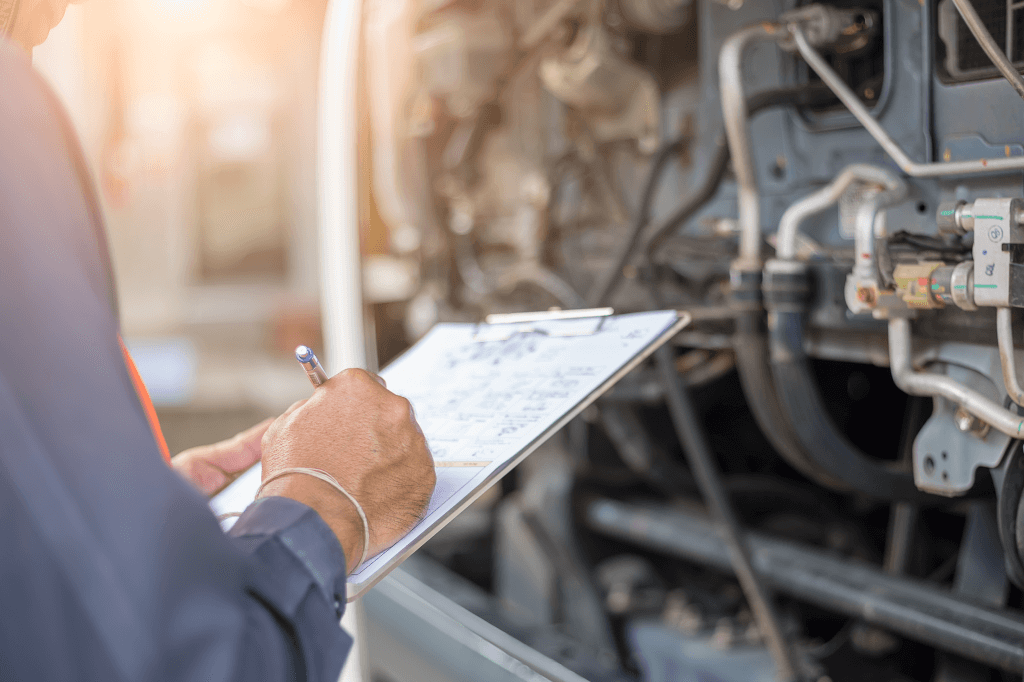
x=111, y=566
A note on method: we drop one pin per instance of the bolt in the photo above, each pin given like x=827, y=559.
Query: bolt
x=968, y=423
x=866, y=295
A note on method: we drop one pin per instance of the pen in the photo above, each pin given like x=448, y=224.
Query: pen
x=314, y=370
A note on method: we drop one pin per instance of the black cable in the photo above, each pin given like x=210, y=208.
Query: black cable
x=706, y=188
x=658, y=164
x=701, y=459
x=927, y=242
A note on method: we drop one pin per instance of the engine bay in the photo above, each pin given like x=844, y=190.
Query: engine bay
x=822, y=478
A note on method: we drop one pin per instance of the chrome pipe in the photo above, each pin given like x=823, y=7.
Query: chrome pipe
x=789, y=225
x=1004, y=333
x=927, y=384
x=857, y=108
x=737, y=132
x=870, y=222
x=988, y=44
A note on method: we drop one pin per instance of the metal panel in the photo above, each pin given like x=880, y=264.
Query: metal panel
x=416, y=634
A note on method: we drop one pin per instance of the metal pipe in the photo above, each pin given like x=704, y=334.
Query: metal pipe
x=926, y=384
x=857, y=108
x=869, y=224
x=910, y=607
x=984, y=38
x=698, y=454
x=797, y=213
x=341, y=298
x=737, y=131
x=1004, y=333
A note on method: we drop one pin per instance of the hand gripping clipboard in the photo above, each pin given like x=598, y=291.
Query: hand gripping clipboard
x=488, y=395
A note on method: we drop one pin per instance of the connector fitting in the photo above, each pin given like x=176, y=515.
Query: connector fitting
x=955, y=217
x=787, y=286
x=841, y=31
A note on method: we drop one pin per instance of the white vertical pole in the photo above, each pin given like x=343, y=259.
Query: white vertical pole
x=341, y=300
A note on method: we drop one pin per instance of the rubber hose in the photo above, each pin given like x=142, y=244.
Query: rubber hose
x=750, y=345
x=804, y=409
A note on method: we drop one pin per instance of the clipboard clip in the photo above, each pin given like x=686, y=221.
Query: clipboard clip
x=580, y=322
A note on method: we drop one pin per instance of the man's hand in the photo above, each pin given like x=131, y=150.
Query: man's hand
x=368, y=439
x=211, y=467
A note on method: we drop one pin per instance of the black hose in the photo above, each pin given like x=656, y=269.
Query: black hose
x=658, y=164
x=702, y=463
x=695, y=200
x=803, y=408
x=705, y=189
x=750, y=343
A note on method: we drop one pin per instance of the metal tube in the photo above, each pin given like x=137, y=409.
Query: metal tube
x=870, y=222
x=341, y=298
x=698, y=454
x=737, y=131
x=857, y=108
x=789, y=224
x=1004, y=333
x=926, y=384
x=987, y=43
x=911, y=607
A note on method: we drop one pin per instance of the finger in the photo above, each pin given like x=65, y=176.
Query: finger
x=239, y=453
x=379, y=379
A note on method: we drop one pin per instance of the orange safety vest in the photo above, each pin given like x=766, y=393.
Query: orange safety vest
x=147, y=403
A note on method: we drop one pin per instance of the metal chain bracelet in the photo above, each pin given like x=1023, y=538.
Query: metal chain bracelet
x=326, y=478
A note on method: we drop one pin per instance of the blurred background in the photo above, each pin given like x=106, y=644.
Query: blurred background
x=199, y=119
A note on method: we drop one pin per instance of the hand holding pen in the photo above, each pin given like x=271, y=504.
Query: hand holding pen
x=365, y=439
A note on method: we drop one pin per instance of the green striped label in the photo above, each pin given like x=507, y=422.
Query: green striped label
x=985, y=286
x=988, y=217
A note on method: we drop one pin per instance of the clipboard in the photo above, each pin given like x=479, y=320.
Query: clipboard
x=488, y=395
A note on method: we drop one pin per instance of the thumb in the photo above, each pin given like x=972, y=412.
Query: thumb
x=242, y=451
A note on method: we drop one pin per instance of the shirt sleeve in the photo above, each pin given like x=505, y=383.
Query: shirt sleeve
x=301, y=576
x=114, y=568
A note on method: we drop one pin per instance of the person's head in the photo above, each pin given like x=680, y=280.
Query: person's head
x=31, y=20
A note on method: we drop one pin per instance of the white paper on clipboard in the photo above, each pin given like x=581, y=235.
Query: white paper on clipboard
x=485, y=403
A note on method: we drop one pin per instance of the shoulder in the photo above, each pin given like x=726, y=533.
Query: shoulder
x=23, y=94
x=34, y=130
x=50, y=217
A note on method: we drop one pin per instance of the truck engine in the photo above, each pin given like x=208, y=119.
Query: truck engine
x=821, y=477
